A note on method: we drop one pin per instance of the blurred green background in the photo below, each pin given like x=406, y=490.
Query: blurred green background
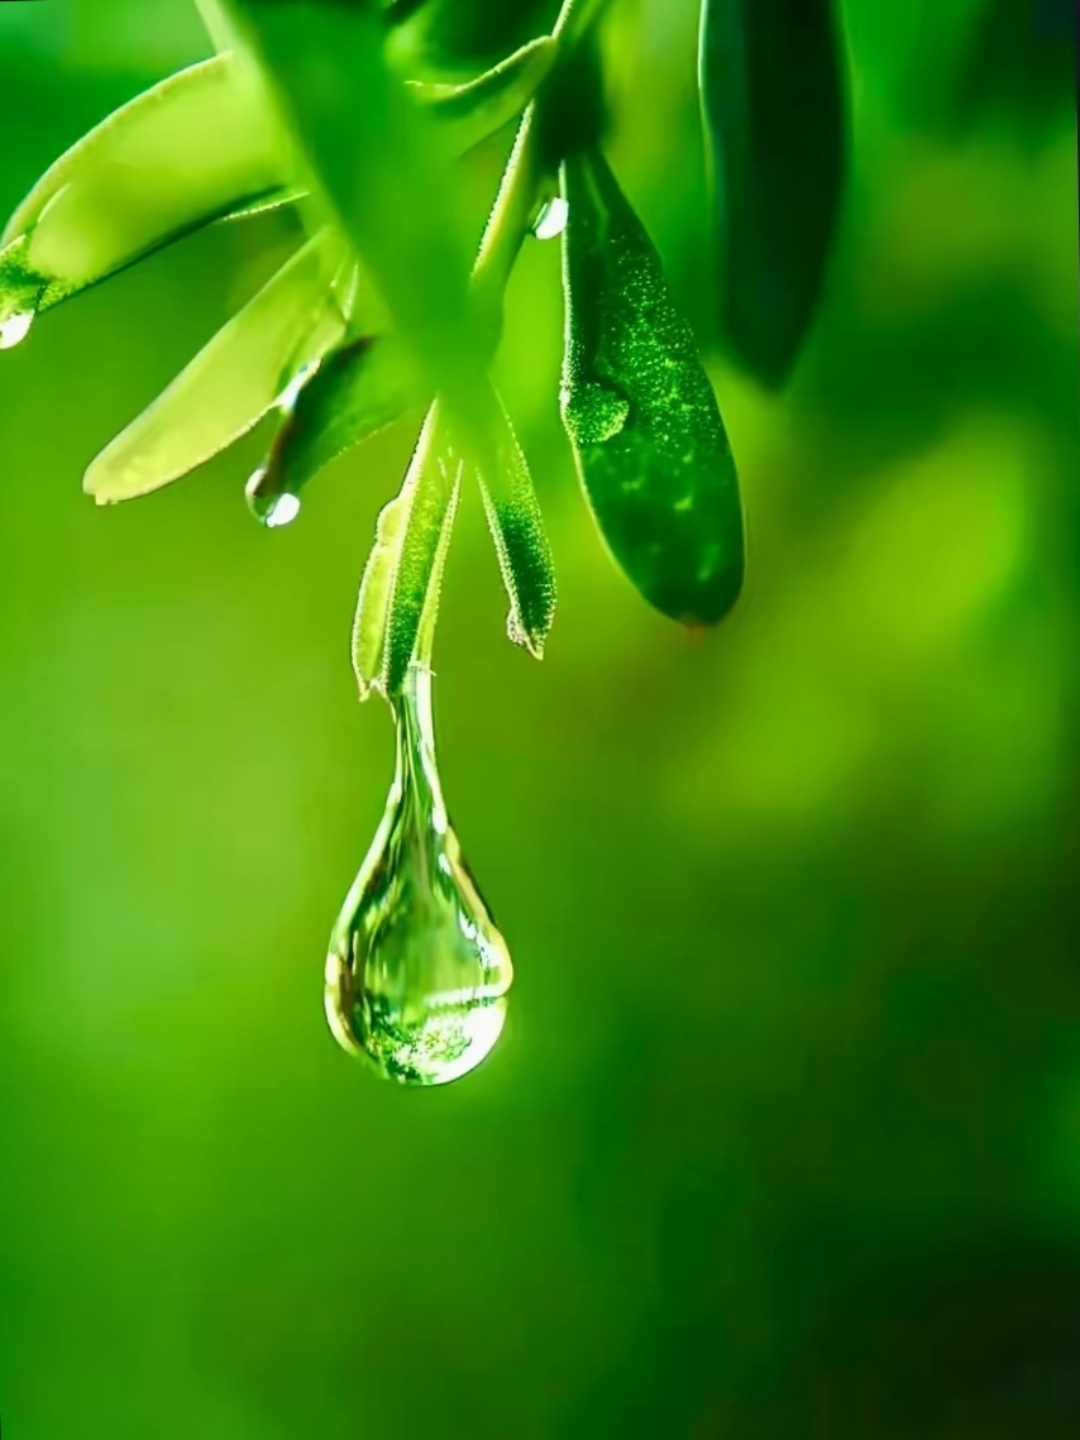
x=783, y=1138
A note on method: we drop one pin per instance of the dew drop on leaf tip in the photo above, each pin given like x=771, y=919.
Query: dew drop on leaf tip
x=417, y=973
x=273, y=508
x=15, y=328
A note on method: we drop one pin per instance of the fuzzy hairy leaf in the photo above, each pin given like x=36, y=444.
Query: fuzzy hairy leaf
x=772, y=95
x=288, y=326
x=400, y=589
x=650, y=446
x=202, y=146
x=521, y=543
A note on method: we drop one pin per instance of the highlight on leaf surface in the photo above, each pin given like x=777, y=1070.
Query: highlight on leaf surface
x=235, y=379
x=201, y=146
x=399, y=594
x=647, y=436
x=773, y=101
x=517, y=529
x=357, y=390
x=476, y=109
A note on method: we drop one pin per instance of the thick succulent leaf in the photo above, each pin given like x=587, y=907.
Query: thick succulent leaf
x=772, y=94
x=521, y=542
x=473, y=111
x=650, y=446
x=288, y=326
x=362, y=387
x=400, y=589
x=384, y=167
x=201, y=146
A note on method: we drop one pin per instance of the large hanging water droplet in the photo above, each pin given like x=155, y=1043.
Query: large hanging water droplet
x=417, y=974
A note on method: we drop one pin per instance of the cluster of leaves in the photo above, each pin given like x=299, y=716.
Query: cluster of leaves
x=357, y=115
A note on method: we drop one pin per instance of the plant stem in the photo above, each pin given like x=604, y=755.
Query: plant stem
x=523, y=177
x=525, y=173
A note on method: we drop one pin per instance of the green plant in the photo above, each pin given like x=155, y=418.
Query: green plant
x=355, y=114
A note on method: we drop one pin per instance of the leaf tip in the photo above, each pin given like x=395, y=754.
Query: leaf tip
x=531, y=640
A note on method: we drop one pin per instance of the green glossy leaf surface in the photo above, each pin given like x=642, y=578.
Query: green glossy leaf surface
x=234, y=380
x=650, y=446
x=772, y=95
x=474, y=110
x=201, y=146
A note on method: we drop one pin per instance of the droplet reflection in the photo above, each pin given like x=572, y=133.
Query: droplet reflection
x=272, y=508
x=551, y=222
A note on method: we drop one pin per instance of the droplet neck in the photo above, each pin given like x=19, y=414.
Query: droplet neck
x=417, y=777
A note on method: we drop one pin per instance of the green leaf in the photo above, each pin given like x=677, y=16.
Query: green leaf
x=400, y=589
x=288, y=326
x=521, y=543
x=362, y=387
x=385, y=169
x=462, y=36
x=202, y=146
x=639, y=410
x=473, y=111
x=772, y=95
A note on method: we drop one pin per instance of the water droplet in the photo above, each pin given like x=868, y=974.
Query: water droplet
x=21, y=291
x=595, y=413
x=14, y=328
x=283, y=511
x=273, y=508
x=552, y=219
x=417, y=974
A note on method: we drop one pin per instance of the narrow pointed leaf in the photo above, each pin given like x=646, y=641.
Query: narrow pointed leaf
x=473, y=111
x=201, y=146
x=521, y=543
x=293, y=321
x=772, y=95
x=400, y=589
x=647, y=436
x=362, y=387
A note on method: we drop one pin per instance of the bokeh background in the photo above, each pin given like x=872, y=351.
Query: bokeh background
x=783, y=1139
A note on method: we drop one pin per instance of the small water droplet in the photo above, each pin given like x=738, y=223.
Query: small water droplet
x=595, y=413
x=417, y=974
x=22, y=289
x=552, y=219
x=15, y=328
x=283, y=511
x=273, y=508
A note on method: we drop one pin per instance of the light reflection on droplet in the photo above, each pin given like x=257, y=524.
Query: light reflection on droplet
x=15, y=328
x=552, y=219
x=283, y=511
